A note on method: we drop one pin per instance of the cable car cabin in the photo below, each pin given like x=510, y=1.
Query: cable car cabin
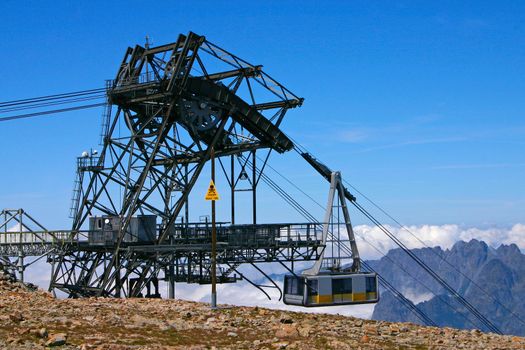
x=331, y=289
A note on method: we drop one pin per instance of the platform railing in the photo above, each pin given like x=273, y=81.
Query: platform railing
x=197, y=233
x=42, y=237
x=87, y=162
x=261, y=234
x=144, y=78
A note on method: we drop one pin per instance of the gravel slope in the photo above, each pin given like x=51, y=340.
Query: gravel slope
x=32, y=319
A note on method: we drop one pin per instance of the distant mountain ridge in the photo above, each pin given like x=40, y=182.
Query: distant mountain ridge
x=499, y=272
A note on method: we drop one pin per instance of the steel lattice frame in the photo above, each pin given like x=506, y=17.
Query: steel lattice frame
x=177, y=102
x=20, y=236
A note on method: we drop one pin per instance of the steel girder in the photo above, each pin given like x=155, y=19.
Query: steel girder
x=174, y=103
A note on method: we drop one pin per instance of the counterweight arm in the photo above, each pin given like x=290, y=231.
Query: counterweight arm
x=325, y=172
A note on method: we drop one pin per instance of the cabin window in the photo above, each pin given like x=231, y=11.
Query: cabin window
x=313, y=288
x=347, y=285
x=371, y=286
x=294, y=285
x=337, y=286
x=342, y=286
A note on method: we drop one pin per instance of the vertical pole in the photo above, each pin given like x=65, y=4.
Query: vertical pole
x=213, y=240
x=117, y=283
x=233, y=179
x=20, y=252
x=21, y=265
x=171, y=273
x=117, y=275
x=50, y=289
x=186, y=205
x=186, y=224
x=254, y=188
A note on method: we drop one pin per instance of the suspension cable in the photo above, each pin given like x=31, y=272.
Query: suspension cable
x=442, y=258
x=451, y=290
x=430, y=271
x=36, y=114
x=301, y=149
x=307, y=215
x=38, y=103
x=418, y=312
x=408, y=273
x=51, y=97
x=52, y=103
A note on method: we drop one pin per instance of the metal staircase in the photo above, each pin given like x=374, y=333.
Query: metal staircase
x=77, y=192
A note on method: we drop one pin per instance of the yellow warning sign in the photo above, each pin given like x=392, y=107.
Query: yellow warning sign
x=212, y=194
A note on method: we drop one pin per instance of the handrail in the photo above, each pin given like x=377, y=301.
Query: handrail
x=42, y=237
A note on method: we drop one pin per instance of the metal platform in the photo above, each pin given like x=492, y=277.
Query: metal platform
x=35, y=243
x=190, y=237
x=185, y=255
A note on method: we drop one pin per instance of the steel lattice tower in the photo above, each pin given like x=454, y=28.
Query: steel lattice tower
x=177, y=102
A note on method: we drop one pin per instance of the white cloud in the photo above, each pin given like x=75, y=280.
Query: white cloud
x=38, y=273
x=244, y=294
x=353, y=136
x=415, y=296
x=444, y=236
x=18, y=227
x=516, y=235
x=414, y=142
x=478, y=166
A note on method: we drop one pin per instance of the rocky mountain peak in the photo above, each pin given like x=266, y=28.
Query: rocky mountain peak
x=493, y=280
x=510, y=249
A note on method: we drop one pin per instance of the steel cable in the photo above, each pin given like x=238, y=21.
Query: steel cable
x=307, y=215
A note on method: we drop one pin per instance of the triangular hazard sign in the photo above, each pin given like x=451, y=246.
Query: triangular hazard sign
x=212, y=194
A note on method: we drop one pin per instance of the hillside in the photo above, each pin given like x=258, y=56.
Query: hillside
x=499, y=272
x=32, y=319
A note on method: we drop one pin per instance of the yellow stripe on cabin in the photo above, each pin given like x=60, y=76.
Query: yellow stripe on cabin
x=359, y=296
x=371, y=295
x=325, y=298
x=338, y=297
x=342, y=297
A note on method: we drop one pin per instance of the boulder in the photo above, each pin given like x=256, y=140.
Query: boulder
x=58, y=339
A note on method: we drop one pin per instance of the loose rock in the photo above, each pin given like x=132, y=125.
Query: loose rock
x=57, y=339
x=34, y=319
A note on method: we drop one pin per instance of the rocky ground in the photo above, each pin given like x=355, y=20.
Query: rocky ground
x=34, y=319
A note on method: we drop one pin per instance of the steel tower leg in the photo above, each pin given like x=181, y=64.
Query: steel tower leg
x=21, y=265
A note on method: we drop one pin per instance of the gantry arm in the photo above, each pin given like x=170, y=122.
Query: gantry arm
x=336, y=189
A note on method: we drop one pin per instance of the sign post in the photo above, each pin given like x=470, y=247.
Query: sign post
x=212, y=195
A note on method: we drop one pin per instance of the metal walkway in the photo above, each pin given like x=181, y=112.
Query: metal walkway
x=34, y=243
x=187, y=249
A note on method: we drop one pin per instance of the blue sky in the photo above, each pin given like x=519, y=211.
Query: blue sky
x=419, y=104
